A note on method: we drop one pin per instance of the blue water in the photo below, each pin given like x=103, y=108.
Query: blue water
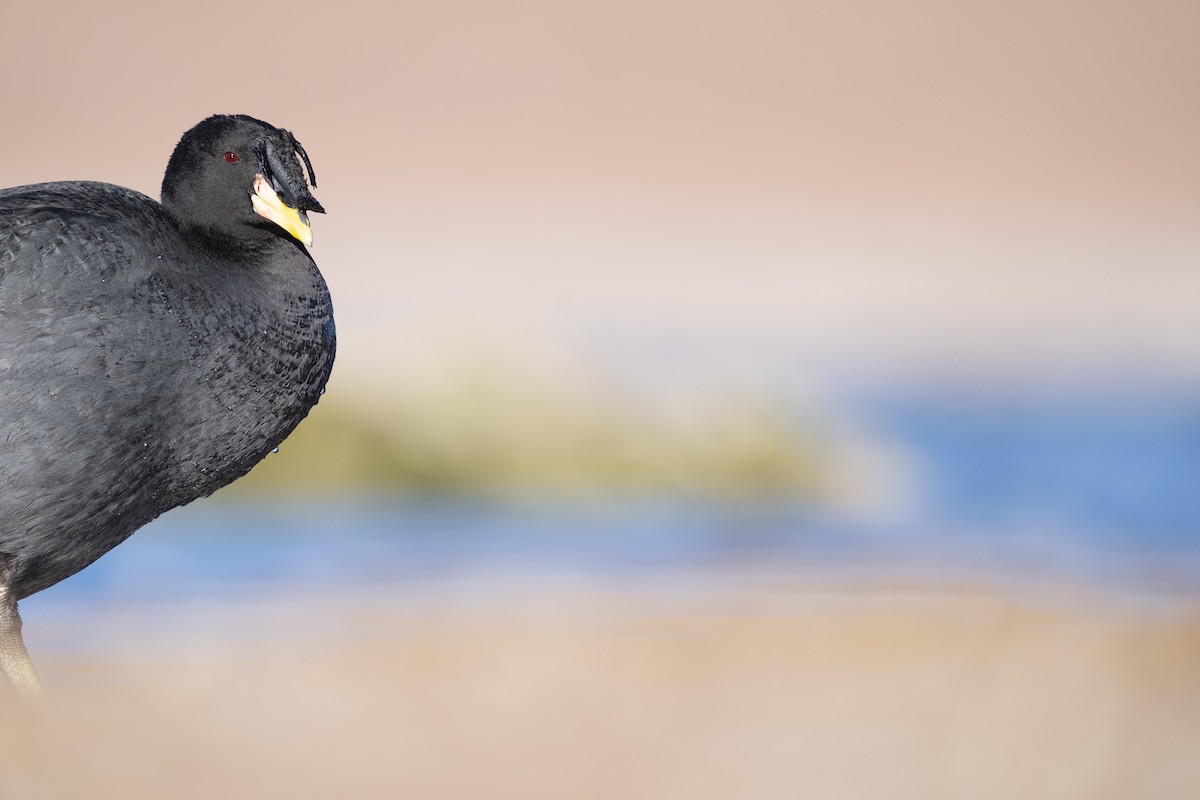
x=1119, y=471
x=1107, y=494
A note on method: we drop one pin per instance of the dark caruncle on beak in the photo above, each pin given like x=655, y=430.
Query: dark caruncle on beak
x=281, y=195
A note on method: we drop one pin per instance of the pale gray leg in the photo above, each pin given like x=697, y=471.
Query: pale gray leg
x=14, y=659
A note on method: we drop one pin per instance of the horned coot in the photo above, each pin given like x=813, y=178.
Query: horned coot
x=150, y=353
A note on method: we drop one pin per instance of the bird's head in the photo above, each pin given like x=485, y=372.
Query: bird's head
x=236, y=178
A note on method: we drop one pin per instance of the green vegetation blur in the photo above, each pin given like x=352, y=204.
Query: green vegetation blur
x=493, y=438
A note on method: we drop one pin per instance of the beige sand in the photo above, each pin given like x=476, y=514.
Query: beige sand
x=817, y=694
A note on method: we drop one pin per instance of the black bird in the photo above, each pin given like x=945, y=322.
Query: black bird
x=150, y=353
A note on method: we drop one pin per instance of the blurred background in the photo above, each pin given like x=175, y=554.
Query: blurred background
x=725, y=391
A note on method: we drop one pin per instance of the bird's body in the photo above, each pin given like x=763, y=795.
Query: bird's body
x=149, y=353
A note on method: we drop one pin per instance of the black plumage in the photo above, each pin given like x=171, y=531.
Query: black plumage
x=149, y=353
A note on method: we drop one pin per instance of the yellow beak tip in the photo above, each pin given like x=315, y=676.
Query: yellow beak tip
x=268, y=206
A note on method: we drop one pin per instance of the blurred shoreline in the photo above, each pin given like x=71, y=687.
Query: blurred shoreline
x=850, y=691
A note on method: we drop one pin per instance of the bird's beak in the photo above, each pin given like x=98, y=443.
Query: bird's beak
x=281, y=197
x=269, y=205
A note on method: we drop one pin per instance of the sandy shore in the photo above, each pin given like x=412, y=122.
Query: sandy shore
x=829, y=694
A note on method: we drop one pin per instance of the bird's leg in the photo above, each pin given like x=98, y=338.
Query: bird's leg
x=14, y=659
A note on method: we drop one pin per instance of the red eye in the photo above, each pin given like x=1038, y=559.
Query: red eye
x=231, y=156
